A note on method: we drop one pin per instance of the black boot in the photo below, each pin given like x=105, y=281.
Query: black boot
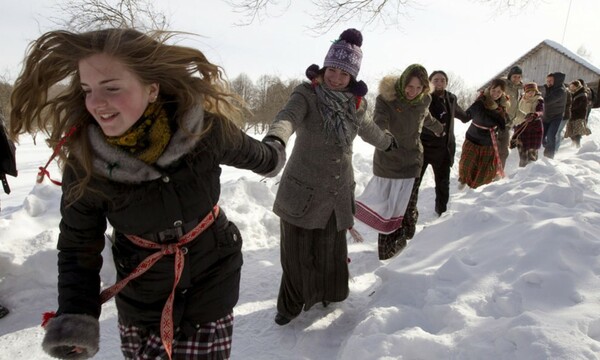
x=281, y=320
x=3, y=311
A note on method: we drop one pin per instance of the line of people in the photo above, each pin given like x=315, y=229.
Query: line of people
x=150, y=123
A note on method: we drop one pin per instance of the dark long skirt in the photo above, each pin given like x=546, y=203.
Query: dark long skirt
x=315, y=267
x=477, y=164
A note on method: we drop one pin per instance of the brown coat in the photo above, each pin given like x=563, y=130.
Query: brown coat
x=318, y=178
x=405, y=121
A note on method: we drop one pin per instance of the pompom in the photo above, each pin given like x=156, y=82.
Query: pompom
x=312, y=71
x=352, y=36
x=359, y=88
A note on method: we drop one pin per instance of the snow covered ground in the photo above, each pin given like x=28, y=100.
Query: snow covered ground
x=511, y=271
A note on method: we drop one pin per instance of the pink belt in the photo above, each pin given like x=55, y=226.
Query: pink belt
x=166, y=319
x=499, y=168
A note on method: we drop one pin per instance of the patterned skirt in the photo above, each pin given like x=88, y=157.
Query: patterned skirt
x=477, y=164
x=528, y=135
x=211, y=341
x=576, y=128
x=383, y=203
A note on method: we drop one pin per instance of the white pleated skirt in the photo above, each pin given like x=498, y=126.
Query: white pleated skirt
x=383, y=203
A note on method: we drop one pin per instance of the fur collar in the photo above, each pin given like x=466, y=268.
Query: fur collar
x=387, y=87
x=116, y=164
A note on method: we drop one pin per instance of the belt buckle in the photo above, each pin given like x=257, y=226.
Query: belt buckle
x=171, y=235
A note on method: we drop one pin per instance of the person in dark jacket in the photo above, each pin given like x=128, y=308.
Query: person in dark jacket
x=577, y=126
x=480, y=161
x=8, y=166
x=147, y=125
x=555, y=105
x=315, y=198
x=438, y=151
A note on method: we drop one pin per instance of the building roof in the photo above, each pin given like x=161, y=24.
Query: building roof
x=568, y=53
x=554, y=45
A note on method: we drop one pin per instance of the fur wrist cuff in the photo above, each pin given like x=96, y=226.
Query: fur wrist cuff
x=67, y=331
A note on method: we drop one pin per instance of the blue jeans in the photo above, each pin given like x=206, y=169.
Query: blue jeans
x=550, y=130
x=559, y=134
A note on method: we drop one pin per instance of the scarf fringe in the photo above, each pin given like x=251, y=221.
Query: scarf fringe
x=358, y=238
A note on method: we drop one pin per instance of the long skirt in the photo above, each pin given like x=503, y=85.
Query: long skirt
x=383, y=203
x=211, y=341
x=528, y=135
x=315, y=267
x=576, y=128
x=477, y=164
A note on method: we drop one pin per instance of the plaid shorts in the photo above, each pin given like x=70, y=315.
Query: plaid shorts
x=211, y=341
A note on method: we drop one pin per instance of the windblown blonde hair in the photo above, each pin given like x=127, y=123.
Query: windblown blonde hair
x=184, y=75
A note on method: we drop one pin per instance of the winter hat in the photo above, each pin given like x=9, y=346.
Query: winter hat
x=530, y=86
x=514, y=70
x=345, y=53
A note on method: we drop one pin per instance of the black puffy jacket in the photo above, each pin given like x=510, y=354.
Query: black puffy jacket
x=143, y=200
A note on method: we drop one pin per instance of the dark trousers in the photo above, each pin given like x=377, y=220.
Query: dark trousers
x=439, y=160
x=503, y=138
x=550, y=130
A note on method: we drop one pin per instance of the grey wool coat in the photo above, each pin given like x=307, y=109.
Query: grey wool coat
x=405, y=121
x=318, y=179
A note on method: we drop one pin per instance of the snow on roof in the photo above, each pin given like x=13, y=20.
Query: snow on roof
x=571, y=55
x=556, y=46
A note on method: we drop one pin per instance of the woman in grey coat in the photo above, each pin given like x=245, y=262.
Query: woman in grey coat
x=315, y=200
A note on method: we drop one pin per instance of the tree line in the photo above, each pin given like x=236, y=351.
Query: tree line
x=265, y=97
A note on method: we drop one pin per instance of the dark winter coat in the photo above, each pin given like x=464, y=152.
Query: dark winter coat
x=555, y=99
x=318, y=179
x=579, y=104
x=405, y=121
x=8, y=164
x=444, y=108
x=143, y=200
x=484, y=118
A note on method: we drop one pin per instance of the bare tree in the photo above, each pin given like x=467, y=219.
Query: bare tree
x=243, y=86
x=465, y=95
x=584, y=52
x=328, y=14
x=85, y=15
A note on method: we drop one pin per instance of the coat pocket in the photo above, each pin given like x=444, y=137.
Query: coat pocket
x=229, y=236
x=294, y=196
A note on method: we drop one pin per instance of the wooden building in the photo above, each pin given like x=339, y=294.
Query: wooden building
x=548, y=57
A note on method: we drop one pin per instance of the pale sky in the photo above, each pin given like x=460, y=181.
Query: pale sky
x=461, y=37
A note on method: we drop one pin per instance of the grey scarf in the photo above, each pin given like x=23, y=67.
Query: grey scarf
x=338, y=112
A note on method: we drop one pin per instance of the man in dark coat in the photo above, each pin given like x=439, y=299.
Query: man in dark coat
x=555, y=100
x=439, y=151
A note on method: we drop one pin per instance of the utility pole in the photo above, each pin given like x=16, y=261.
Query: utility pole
x=566, y=22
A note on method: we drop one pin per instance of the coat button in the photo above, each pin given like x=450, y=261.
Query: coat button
x=184, y=250
x=166, y=179
x=178, y=223
x=337, y=177
x=235, y=238
x=337, y=160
